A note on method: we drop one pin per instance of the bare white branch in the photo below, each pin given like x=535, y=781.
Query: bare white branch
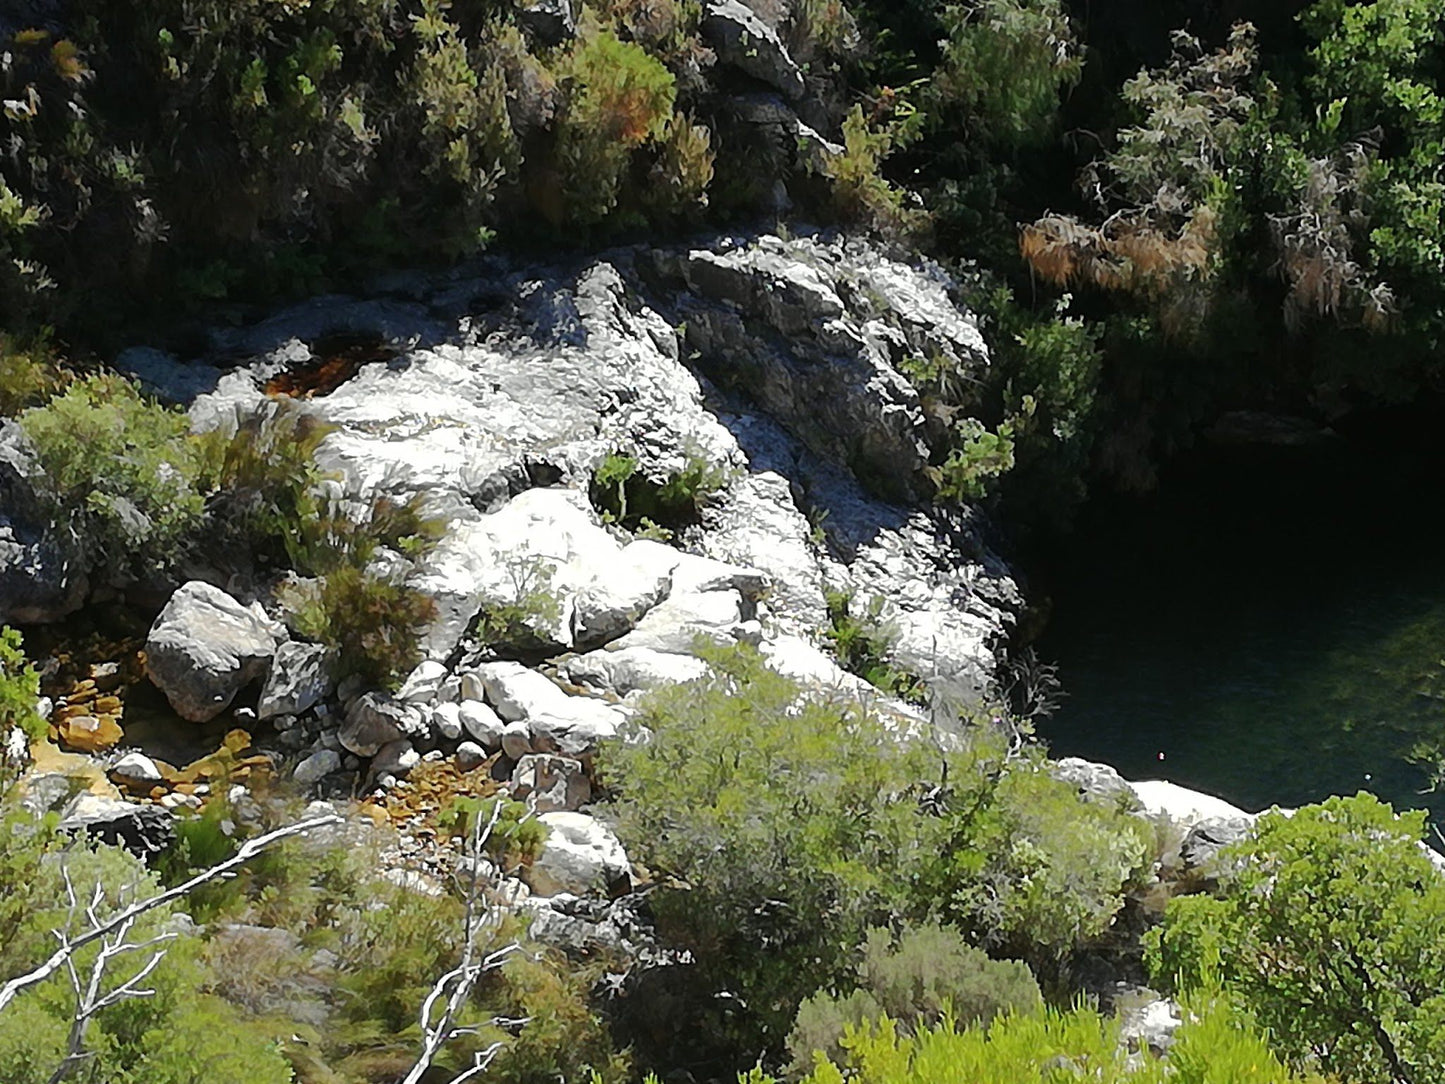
x=101, y=928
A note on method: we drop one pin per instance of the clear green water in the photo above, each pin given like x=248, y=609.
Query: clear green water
x=1270, y=627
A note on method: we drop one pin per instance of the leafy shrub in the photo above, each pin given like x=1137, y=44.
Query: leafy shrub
x=786, y=825
x=28, y=374
x=19, y=689
x=177, y=1035
x=263, y=479
x=1003, y=68
x=915, y=978
x=120, y=469
x=629, y=498
x=372, y=619
x=1214, y=1044
x=619, y=98
x=860, y=191
x=1327, y=928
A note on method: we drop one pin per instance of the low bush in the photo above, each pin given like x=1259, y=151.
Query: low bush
x=29, y=374
x=915, y=978
x=120, y=471
x=1327, y=928
x=623, y=494
x=1214, y=1044
x=19, y=689
x=784, y=825
x=863, y=644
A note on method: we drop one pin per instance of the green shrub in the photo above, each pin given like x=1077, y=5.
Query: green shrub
x=656, y=507
x=19, y=689
x=916, y=978
x=178, y=1035
x=121, y=471
x=619, y=98
x=1327, y=929
x=28, y=374
x=373, y=620
x=263, y=480
x=1214, y=1044
x=528, y=621
x=864, y=643
x=786, y=825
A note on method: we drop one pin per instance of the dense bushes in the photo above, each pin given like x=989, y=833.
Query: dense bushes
x=1327, y=928
x=786, y=825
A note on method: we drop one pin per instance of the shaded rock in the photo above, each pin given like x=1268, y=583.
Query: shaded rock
x=141, y=829
x=551, y=20
x=516, y=740
x=744, y=41
x=581, y=855
x=551, y=783
x=396, y=758
x=316, y=767
x=42, y=576
x=298, y=679
x=470, y=755
x=375, y=719
x=1150, y=1028
x=205, y=647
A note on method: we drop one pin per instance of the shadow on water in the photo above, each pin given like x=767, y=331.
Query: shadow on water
x=1271, y=621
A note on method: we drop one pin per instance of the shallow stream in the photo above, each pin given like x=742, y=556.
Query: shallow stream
x=1269, y=626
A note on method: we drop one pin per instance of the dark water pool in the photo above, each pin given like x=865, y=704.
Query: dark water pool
x=1271, y=623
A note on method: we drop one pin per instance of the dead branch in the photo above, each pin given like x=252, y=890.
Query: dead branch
x=101, y=929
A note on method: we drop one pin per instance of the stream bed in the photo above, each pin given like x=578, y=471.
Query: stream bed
x=1269, y=626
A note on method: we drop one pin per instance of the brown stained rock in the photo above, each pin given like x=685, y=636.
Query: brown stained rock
x=90, y=733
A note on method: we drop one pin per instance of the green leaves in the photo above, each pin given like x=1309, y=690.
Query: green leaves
x=1328, y=930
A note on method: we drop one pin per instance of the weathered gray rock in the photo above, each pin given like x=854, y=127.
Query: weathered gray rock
x=550, y=783
x=611, y=596
x=376, y=719
x=42, y=576
x=581, y=855
x=631, y=670
x=317, y=767
x=575, y=728
x=750, y=45
x=470, y=755
x=141, y=829
x=519, y=693
x=1095, y=782
x=716, y=617
x=298, y=679
x=1149, y=1028
x=205, y=647
x=1203, y=842
x=446, y=720
x=424, y=683
x=482, y=723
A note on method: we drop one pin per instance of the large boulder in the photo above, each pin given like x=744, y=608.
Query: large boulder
x=143, y=830
x=744, y=41
x=581, y=855
x=205, y=647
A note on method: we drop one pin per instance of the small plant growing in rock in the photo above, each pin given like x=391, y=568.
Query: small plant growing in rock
x=522, y=624
x=863, y=644
x=623, y=495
